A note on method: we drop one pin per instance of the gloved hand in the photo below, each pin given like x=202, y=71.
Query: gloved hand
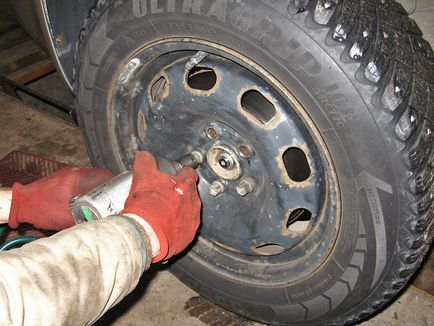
x=170, y=204
x=45, y=203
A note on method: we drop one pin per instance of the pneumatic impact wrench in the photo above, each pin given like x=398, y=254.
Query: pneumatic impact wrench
x=109, y=198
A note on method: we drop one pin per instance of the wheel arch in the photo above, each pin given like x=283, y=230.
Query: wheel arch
x=61, y=22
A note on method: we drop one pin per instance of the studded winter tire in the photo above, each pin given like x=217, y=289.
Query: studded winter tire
x=316, y=121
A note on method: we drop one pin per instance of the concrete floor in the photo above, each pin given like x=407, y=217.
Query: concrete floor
x=161, y=299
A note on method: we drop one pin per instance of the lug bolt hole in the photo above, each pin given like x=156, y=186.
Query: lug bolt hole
x=244, y=151
x=211, y=133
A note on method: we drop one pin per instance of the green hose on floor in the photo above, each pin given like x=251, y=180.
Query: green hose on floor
x=15, y=242
x=12, y=243
x=2, y=230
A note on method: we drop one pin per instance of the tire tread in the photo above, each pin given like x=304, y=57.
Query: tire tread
x=388, y=45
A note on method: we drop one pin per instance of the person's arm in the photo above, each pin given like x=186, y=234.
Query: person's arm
x=75, y=276
x=45, y=202
x=5, y=204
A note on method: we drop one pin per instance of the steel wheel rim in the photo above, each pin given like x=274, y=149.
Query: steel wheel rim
x=171, y=57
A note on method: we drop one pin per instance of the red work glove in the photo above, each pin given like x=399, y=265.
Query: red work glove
x=170, y=204
x=45, y=203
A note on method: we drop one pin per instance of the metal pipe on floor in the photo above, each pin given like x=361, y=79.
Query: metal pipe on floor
x=58, y=105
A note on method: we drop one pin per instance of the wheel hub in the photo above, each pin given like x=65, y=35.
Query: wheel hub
x=224, y=162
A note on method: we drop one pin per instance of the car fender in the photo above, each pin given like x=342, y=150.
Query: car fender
x=61, y=22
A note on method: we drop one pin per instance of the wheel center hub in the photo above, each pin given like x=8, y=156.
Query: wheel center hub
x=224, y=162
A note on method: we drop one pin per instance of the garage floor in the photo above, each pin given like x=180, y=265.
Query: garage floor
x=160, y=299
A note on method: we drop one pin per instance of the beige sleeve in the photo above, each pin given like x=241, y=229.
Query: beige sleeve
x=73, y=277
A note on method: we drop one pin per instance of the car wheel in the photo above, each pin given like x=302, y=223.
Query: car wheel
x=315, y=118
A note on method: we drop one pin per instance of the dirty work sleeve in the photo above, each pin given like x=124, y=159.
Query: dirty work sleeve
x=74, y=276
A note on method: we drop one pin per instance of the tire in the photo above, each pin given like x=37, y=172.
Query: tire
x=364, y=75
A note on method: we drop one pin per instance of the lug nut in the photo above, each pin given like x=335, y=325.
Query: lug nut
x=216, y=188
x=246, y=186
x=198, y=155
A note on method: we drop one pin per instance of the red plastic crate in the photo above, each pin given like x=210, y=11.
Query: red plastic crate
x=23, y=167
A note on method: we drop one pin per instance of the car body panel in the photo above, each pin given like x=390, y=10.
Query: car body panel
x=61, y=22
